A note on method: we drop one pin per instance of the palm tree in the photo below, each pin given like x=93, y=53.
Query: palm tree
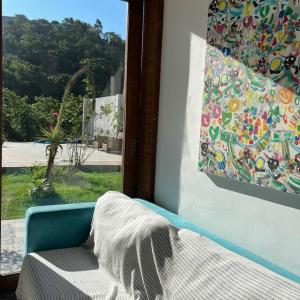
x=55, y=135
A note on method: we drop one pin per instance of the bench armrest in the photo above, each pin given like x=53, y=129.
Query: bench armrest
x=57, y=226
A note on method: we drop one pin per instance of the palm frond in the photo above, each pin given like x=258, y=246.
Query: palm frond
x=52, y=136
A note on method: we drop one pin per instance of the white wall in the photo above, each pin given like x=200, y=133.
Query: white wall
x=264, y=221
x=101, y=122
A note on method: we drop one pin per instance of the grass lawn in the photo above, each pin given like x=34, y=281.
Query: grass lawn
x=80, y=187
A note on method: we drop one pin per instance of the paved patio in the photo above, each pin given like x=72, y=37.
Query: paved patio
x=12, y=245
x=29, y=153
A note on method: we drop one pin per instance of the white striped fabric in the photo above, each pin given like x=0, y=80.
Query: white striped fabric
x=69, y=274
x=133, y=253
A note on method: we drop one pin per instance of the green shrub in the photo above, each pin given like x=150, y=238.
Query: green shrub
x=20, y=121
x=37, y=172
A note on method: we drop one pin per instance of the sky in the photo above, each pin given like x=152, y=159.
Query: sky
x=112, y=13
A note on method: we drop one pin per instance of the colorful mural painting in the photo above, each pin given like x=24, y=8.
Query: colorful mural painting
x=250, y=123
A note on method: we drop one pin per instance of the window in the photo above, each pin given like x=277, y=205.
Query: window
x=63, y=105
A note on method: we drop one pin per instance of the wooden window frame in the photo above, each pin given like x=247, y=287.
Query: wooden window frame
x=142, y=87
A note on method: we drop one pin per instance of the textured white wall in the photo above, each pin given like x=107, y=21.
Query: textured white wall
x=264, y=221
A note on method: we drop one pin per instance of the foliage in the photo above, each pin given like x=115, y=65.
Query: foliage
x=54, y=137
x=22, y=77
x=39, y=59
x=41, y=56
x=47, y=107
x=89, y=88
x=37, y=172
x=39, y=188
x=80, y=187
x=21, y=120
x=117, y=121
x=106, y=111
x=72, y=117
x=24, y=119
x=78, y=153
x=111, y=114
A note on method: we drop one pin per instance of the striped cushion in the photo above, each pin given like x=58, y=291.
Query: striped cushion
x=205, y=270
x=70, y=274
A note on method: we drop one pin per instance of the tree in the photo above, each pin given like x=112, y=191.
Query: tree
x=41, y=56
x=71, y=122
x=55, y=135
x=47, y=108
x=20, y=121
x=23, y=120
x=22, y=77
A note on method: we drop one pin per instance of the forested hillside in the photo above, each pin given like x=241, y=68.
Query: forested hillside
x=38, y=59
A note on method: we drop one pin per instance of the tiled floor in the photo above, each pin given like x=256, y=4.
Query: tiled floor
x=12, y=240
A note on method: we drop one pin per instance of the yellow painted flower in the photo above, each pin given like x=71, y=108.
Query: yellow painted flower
x=234, y=104
x=218, y=156
x=247, y=9
x=222, y=5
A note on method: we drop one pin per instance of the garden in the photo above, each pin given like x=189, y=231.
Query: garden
x=74, y=187
x=52, y=184
x=47, y=80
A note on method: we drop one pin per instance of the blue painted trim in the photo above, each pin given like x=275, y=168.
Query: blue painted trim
x=183, y=223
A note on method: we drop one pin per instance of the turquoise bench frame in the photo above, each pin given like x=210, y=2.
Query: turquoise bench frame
x=68, y=225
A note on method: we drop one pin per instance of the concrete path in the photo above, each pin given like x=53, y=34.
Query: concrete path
x=12, y=246
x=29, y=154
